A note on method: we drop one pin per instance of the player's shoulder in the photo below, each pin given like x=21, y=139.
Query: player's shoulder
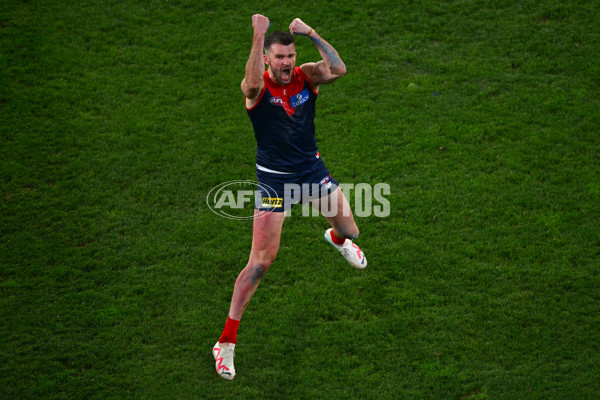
x=306, y=71
x=253, y=93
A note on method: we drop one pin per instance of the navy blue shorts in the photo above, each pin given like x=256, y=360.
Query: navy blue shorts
x=279, y=192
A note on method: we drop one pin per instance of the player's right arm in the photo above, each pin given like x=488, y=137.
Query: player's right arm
x=253, y=81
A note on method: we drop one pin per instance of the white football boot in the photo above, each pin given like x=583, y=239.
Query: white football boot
x=224, y=353
x=351, y=252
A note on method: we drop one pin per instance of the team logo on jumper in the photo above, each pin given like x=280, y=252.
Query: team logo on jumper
x=276, y=101
x=274, y=202
x=299, y=98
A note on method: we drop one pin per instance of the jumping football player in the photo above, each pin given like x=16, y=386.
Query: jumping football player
x=281, y=105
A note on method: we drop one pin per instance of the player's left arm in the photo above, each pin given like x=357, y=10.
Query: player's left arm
x=330, y=67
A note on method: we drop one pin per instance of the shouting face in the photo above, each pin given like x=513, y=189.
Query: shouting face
x=281, y=60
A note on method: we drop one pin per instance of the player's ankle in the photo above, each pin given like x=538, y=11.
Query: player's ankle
x=230, y=332
x=337, y=240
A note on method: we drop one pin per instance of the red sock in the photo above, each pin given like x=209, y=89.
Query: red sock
x=230, y=332
x=336, y=239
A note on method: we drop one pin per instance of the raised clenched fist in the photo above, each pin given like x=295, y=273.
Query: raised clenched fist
x=260, y=23
x=298, y=27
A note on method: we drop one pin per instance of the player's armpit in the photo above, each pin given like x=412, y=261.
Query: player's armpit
x=319, y=73
x=252, y=91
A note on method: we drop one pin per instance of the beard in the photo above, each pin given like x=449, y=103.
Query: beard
x=284, y=75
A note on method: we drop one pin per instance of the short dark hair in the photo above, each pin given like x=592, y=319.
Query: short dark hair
x=279, y=37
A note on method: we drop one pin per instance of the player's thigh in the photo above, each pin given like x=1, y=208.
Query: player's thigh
x=266, y=234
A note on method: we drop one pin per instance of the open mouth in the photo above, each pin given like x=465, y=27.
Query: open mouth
x=286, y=74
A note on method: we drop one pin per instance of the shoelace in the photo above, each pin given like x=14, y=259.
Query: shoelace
x=227, y=352
x=346, y=251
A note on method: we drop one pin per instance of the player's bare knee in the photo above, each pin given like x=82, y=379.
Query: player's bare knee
x=252, y=274
x=257, y=271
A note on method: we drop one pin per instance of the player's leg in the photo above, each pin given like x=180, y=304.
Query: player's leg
x=265, y=244
x=337, y=211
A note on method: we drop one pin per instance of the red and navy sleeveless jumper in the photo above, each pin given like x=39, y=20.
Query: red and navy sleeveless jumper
x=284, y=126
x=286, y=149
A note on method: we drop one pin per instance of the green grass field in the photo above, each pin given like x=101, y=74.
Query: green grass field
x=118, y=117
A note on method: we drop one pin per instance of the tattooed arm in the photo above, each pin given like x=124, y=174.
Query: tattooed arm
x=330, y=67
